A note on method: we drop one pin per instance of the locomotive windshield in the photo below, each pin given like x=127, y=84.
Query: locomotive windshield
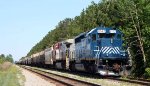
x=101, y=35
x=111, y=35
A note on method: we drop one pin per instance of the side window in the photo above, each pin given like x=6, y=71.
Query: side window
x=89, y=38
x=93, y=37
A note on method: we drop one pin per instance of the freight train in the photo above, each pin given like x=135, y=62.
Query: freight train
x=99, y=50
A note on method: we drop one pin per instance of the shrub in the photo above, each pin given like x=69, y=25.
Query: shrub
x=147, y=73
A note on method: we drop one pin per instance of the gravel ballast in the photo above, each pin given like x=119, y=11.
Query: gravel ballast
x=34, y=80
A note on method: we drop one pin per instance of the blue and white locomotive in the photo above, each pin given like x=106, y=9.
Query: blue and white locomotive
x=100, y=51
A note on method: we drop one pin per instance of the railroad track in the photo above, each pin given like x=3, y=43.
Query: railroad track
x=75, y=82
x=60, y=80
x=140, y=79
x=136, y=81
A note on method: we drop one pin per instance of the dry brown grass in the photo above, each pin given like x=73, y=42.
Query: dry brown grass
x=5, y=65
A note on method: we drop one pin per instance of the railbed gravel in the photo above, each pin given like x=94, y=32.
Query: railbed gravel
x=34, y=80
x=100, y=81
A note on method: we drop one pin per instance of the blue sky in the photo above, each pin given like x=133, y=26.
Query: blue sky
x=23, y=23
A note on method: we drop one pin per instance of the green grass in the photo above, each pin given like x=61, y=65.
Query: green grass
x=10, y=77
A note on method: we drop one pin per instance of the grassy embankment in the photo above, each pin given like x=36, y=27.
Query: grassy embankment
x=10, y=75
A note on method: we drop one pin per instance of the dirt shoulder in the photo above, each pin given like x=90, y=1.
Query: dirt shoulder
x=34, y=80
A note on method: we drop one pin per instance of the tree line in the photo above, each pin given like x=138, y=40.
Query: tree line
x=7, y=58
x=130, y=16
